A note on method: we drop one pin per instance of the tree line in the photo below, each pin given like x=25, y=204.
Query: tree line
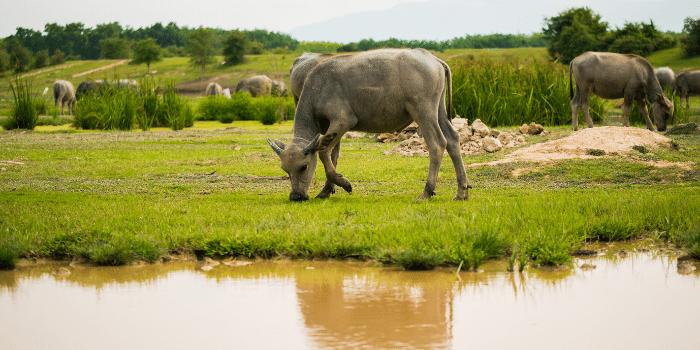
x=566, y=35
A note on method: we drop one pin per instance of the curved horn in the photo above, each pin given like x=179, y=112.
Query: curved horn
x=275, y=148
x=311, y=146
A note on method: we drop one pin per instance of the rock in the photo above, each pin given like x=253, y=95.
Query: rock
x=480, y=128
x=492, y=145
x=353, y=135
x=532, y=129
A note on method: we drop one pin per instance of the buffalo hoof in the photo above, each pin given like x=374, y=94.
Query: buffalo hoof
x=326, y=192
x=342, y=182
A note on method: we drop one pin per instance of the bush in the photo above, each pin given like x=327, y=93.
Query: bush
x=241, y=106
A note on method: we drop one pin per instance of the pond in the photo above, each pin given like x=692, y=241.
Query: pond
x=637, y=300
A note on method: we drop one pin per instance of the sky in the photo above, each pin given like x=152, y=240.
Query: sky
x=343, y=20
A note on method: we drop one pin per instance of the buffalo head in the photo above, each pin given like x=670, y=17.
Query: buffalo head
x=299, y=162
x=662, y=109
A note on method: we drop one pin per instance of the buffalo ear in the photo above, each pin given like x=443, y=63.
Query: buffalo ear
x=280, y=144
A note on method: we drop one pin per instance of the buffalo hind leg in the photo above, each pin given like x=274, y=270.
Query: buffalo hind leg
x=436, y=143
x=453, y=150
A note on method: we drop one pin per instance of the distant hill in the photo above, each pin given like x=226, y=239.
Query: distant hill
x=441, y=20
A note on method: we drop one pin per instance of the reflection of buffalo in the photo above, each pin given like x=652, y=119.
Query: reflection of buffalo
x=64, y=93
x=213, y=89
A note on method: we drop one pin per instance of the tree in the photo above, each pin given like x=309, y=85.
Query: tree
x=20, y=56
x=114, y=48
x=234, y=47
x=691, y=41
x=579, y=24
x=200, y=48
x=41, y=59
x=147, y=51
x=58, y=57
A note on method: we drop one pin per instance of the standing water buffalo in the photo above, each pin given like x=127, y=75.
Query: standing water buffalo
x=612, y=76
x=374, y=91
x=256, y=85
x=300, y=69
x=666, y=76
x=64, y=93
x=213, y=89
x=688, y=83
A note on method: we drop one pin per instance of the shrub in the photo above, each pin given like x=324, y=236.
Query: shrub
x=268, y=109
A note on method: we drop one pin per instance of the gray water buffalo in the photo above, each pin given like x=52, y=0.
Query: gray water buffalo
x=64, y=93
x=666, y=77
x=278, y=88
x=613, y=76
x=375, y=91
x=213, y=89
x=688, y=83
x=87, y=87
x=256, y=85
x=300, y=69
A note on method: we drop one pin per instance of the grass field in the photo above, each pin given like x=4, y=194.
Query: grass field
x=115, y=197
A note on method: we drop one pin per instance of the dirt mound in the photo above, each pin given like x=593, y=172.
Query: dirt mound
x=610, y=139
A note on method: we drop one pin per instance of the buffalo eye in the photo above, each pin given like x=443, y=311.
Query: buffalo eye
x=303, y=168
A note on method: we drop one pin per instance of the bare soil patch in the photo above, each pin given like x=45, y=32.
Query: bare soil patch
x=613, y=140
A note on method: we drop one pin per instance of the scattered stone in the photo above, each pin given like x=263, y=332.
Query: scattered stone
x=353, y=135
x=584, y=252
x=474, y=139
x=533, y=129
x=206, y=268
x=622, y=252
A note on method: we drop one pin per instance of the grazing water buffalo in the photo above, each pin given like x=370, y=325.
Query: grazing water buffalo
x=256, y=85
x=213, y=89
x=64, y=93
x=87, y=87
x=613, y=76
x=666, y=76
x=300, y=69
x=278, y=88
x=688, y=83
x=374, y=91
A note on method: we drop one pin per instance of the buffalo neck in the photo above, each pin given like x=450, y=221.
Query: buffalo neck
x=305, y=126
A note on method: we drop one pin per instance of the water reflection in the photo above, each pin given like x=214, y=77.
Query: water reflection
x=618, y=301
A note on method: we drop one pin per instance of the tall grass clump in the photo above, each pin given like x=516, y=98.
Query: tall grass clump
x=113, y=108
x=512, y=91
x=549, y=248
x=25, y=106
x=472, y=249
x=9, y=254
x=178, y=113
x=119, y=107
x=691, y=241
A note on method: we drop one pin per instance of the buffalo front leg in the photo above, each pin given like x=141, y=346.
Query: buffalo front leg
x=645, y=113
x=329, y=187
x=330, y=141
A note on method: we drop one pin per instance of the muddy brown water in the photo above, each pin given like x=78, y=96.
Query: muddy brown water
x=640, y=301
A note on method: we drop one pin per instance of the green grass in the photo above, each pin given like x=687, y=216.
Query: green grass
x=114, y=197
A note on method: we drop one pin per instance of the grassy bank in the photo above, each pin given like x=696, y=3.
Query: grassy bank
x=114, y=197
